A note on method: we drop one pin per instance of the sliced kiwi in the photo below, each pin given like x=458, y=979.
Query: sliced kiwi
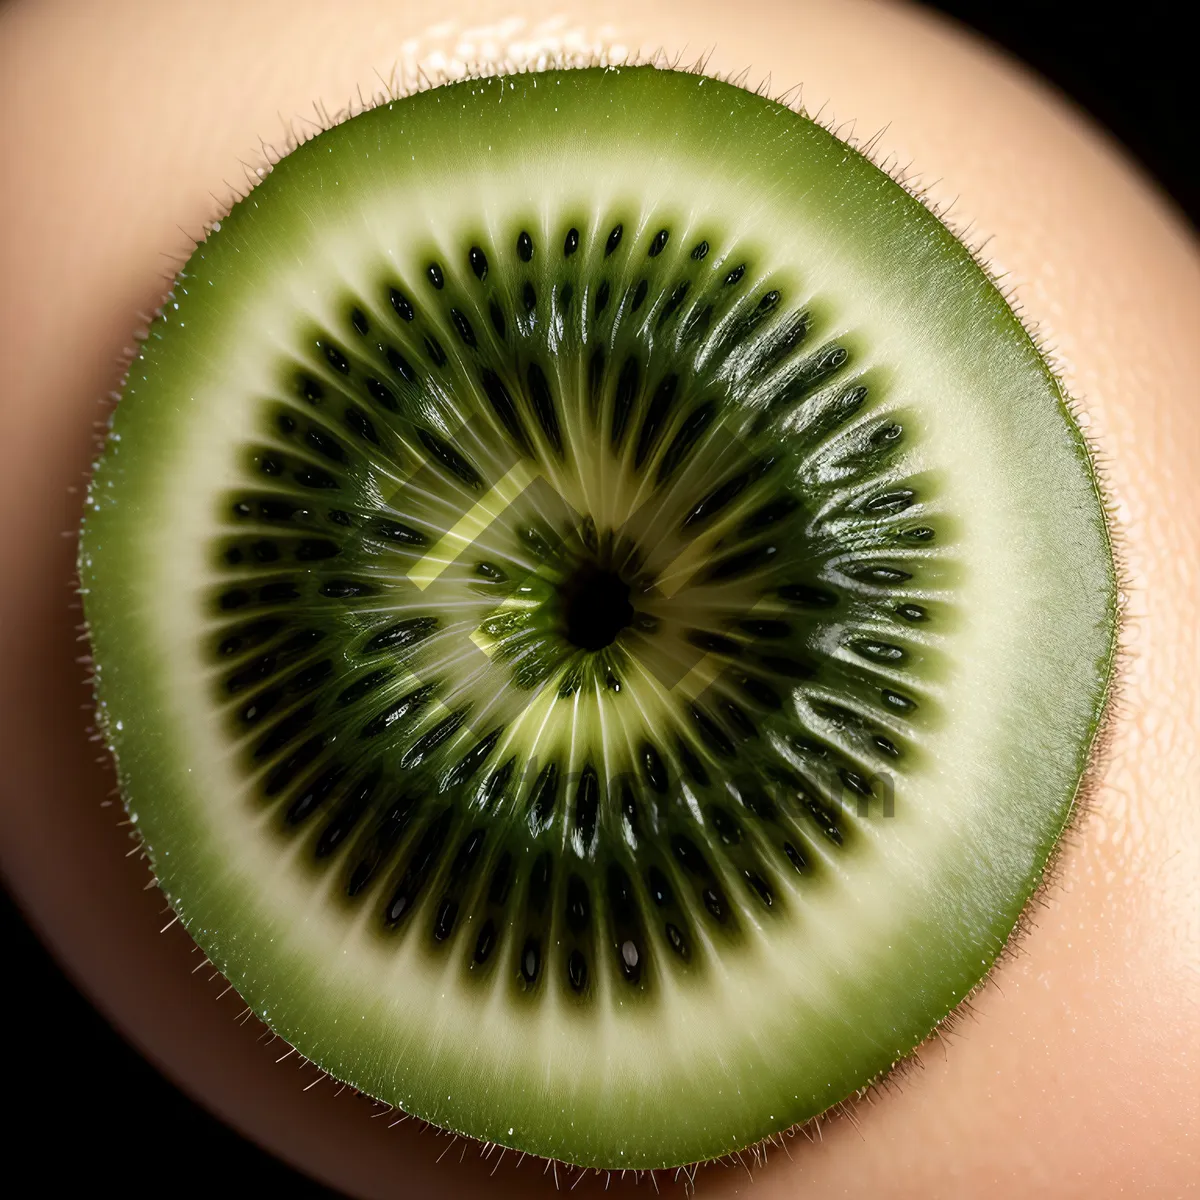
x=601, y=611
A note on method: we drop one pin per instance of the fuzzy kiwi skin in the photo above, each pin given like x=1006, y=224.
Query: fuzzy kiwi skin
x=88, y=565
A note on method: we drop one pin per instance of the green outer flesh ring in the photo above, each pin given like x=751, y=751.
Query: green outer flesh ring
x=882, y=955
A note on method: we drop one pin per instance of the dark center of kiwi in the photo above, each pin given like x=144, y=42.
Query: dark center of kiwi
x=567, y=599
x=596, y=606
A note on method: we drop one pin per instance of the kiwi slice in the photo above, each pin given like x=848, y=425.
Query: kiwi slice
x=601, y=611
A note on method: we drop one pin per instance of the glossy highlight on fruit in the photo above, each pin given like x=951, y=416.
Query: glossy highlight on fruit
x=596, y=600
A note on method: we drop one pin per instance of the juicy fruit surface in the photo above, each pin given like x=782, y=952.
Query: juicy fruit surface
x=567, y=622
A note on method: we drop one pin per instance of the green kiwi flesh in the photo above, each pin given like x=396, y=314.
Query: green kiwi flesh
x=600, y=611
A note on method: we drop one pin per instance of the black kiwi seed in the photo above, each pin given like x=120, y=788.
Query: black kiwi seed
x=653, y=768
x=660, y=406
x=540, y=877
x=524, y=246
x=769, y=629
x=880, y=652
x=578, y=904
x=364, y=686
x=587, y=802
x=760, y=692
x=283, y=774
x=278, y=593
x=325, y=445
x=473, y=760
x=692, y=765
x=629, y=810
x=485, y=942
x=700, y=251
x=760, y=887
x=689, y=856
x=577, y=973
x=501, y=881
x=248, y=636
x=733, y=566
x=888, y=502
x=496, y=315
x=543, y=404
x=479, y=263
x=254, y=672
x=627, y=386
x=737, y=717
x=427, y=743
x=434, y=274
x=400, y=534
x=497, y=784
x=389, y=829
x=625, y=928
x=660, y=889
x=768, y=514
x=449, y=459
x=402, y=633
x=896, y=701
x=419, y=867
x=313, y=796
x=544, y=797
x=349, y=813
x=697, y=323
x=874, y=573
x=531, y=960
x=571, y=244
x=334, y=356
x=659, y=243
x=713, y=643
x=795, y=857
x=401, y=366
x=316, y=478
x=688, y=435
x=402, y=305
x=614, y=239
x=808, y=596
x=676, y=940
x=344, y=589
x=381, y=394
x=718, y=499
x=672, y=305
x=406, y=706
x=310, y=389
x=463, y=327
x=443, y=923
x=725, y=826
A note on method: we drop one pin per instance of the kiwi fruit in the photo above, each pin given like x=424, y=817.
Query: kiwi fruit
x=600, y=609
